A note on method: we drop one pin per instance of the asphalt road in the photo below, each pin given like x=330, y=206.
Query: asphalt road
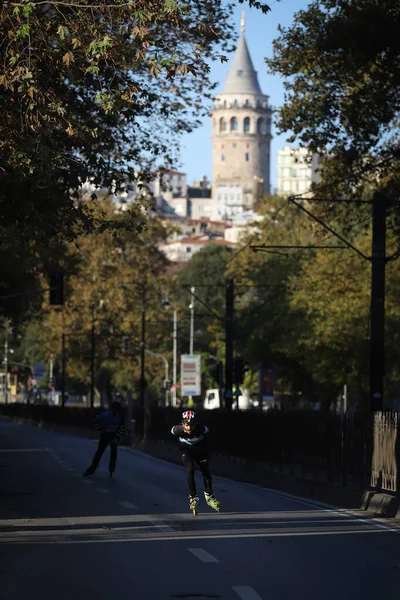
x=66, y=537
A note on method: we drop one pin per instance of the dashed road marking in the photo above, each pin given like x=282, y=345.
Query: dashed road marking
x=246, y=593
x=126, y=504
x=203, y=555
x=103, y=491
x=87, y=481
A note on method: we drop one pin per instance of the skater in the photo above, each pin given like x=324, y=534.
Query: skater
x=111, y=425
x=194, y=448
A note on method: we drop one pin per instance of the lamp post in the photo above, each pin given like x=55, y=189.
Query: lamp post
x=191, y=306
x=174, y=354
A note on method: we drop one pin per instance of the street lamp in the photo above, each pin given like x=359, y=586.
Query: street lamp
x=191, y=306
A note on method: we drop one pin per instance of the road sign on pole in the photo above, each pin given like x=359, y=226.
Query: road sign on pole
x=39, y=371
x=190, y=375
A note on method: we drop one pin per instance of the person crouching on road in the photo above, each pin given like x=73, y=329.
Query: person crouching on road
x=111, y=425
x=193, y=445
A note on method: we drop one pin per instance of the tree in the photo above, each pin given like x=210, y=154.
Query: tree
x=107, y=274
x=206, y=272
x=89, y=90
x=96, y=90
x=340, y=60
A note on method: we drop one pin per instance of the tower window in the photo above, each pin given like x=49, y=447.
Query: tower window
x=246, y=125
x=247, y=156
x=235, y=103
x=234, y=124
x=234, y=145
x=222, y=124
x=223, y=157
x=224, y=103
x=247, y=103
x=260, y=125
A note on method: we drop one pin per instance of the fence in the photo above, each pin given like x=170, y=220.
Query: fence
x=303, y=444
x=355, y=451
x=386, y=452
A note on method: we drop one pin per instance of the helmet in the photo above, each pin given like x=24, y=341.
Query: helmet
x=189, y=417
x=116, y=404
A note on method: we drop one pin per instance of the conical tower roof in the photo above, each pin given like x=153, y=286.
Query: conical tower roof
x=242, y=78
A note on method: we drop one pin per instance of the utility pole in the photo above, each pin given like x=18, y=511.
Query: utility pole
x=191, y=306
x=6, y=362
x=377, y=335
x=92, y=357
x=230, y=290
x=174, y=336
x=63, y=361
x=142, y=346
x=51, y=386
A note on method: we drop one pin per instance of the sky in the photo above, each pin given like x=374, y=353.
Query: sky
x=260, y=32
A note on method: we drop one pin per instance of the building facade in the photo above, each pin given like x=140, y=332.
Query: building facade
x=180, y=251
x=241, y=138
x=297, y=170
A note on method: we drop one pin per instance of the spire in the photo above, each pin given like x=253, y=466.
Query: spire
x=242, y=23
x=242, y=78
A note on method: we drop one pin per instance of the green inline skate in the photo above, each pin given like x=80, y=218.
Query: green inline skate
x=212, y=502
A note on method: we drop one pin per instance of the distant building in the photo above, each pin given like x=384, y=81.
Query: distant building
x=182, y=250
x=169, y=190
x=297, y=170
x=241, y=135
x=242, y=225
x=187, y=227
x=200, y=204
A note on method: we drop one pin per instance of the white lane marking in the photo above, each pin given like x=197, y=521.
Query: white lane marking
x=71, y=469
x=203, y=555
x=126, y=504
x=246, y=593
x=161, y=526
x=326, y=508
x=103, y=491
x=86, y=481
x=77, y=475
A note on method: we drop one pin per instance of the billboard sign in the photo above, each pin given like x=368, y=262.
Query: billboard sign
x=190, y=375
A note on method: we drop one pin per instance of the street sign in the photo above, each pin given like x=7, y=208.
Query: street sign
x=39, y=371
x=190, y=375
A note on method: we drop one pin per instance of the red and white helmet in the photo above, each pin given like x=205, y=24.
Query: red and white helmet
x=189, y=417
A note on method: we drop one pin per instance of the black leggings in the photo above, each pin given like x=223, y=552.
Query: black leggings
x=103, y=443
x=188, y=459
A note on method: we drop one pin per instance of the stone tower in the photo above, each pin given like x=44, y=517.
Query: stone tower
x=241, y=135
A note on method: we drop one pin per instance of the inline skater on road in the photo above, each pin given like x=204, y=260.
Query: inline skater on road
x=194, y=448
x=111, y=425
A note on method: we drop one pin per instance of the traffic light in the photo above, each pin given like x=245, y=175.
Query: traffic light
x=57, y=288
x=240, y=368
x=219, y=373
x=167, y=384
